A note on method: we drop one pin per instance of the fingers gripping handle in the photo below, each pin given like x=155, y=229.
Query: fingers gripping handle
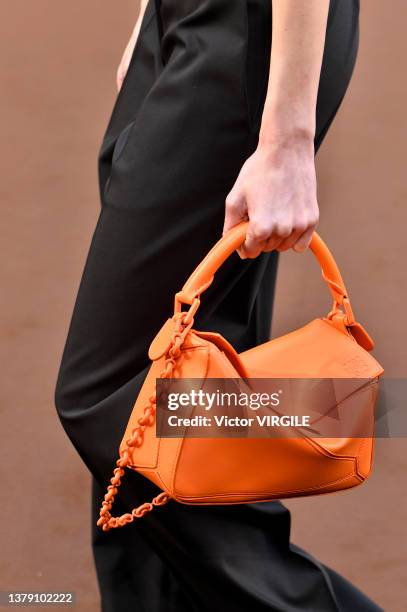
x=203, y=275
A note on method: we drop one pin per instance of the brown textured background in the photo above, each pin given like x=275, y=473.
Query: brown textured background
x=58, y=64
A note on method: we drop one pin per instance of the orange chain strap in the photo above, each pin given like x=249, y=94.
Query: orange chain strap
x=183, y=323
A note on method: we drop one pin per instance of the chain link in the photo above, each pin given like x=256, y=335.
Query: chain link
x=183, y=323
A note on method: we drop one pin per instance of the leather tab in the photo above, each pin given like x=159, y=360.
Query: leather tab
x=361, y=336
x=162, y=341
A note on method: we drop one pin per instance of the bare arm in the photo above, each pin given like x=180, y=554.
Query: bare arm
x=276, y=187
x=128, y=52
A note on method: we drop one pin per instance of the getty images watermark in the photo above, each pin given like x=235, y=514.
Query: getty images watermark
x=281, y=407
x=210, y=401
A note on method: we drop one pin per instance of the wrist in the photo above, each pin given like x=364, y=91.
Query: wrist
x=300, y=138
x=291, y=122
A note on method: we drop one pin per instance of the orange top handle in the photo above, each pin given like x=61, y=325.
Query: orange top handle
x=203, y=275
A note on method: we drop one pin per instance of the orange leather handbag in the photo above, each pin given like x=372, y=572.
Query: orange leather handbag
x=239, y=470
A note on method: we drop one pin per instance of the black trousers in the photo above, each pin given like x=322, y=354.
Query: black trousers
x=185, y=120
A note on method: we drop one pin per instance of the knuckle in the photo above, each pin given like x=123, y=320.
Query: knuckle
x=231, y=202
x=313, y=218
x=260, y=231
x=283, y=230
x=301, y=226
x=309, y=222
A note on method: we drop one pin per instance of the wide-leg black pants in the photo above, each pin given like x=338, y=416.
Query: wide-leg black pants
x=185, y=120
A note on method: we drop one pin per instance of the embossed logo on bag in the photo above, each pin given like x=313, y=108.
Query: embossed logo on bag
x=356, y=366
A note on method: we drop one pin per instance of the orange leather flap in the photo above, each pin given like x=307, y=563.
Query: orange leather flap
x=162, y=340
x=361, y=336
x=224, y=346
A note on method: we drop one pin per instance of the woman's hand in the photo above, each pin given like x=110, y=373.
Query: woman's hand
x=276, y=191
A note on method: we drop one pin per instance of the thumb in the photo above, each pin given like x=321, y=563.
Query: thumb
x=235, y=209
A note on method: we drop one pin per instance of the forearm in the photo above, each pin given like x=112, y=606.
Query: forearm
x=142, y=9
x=299, y=28
x=128, y=52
